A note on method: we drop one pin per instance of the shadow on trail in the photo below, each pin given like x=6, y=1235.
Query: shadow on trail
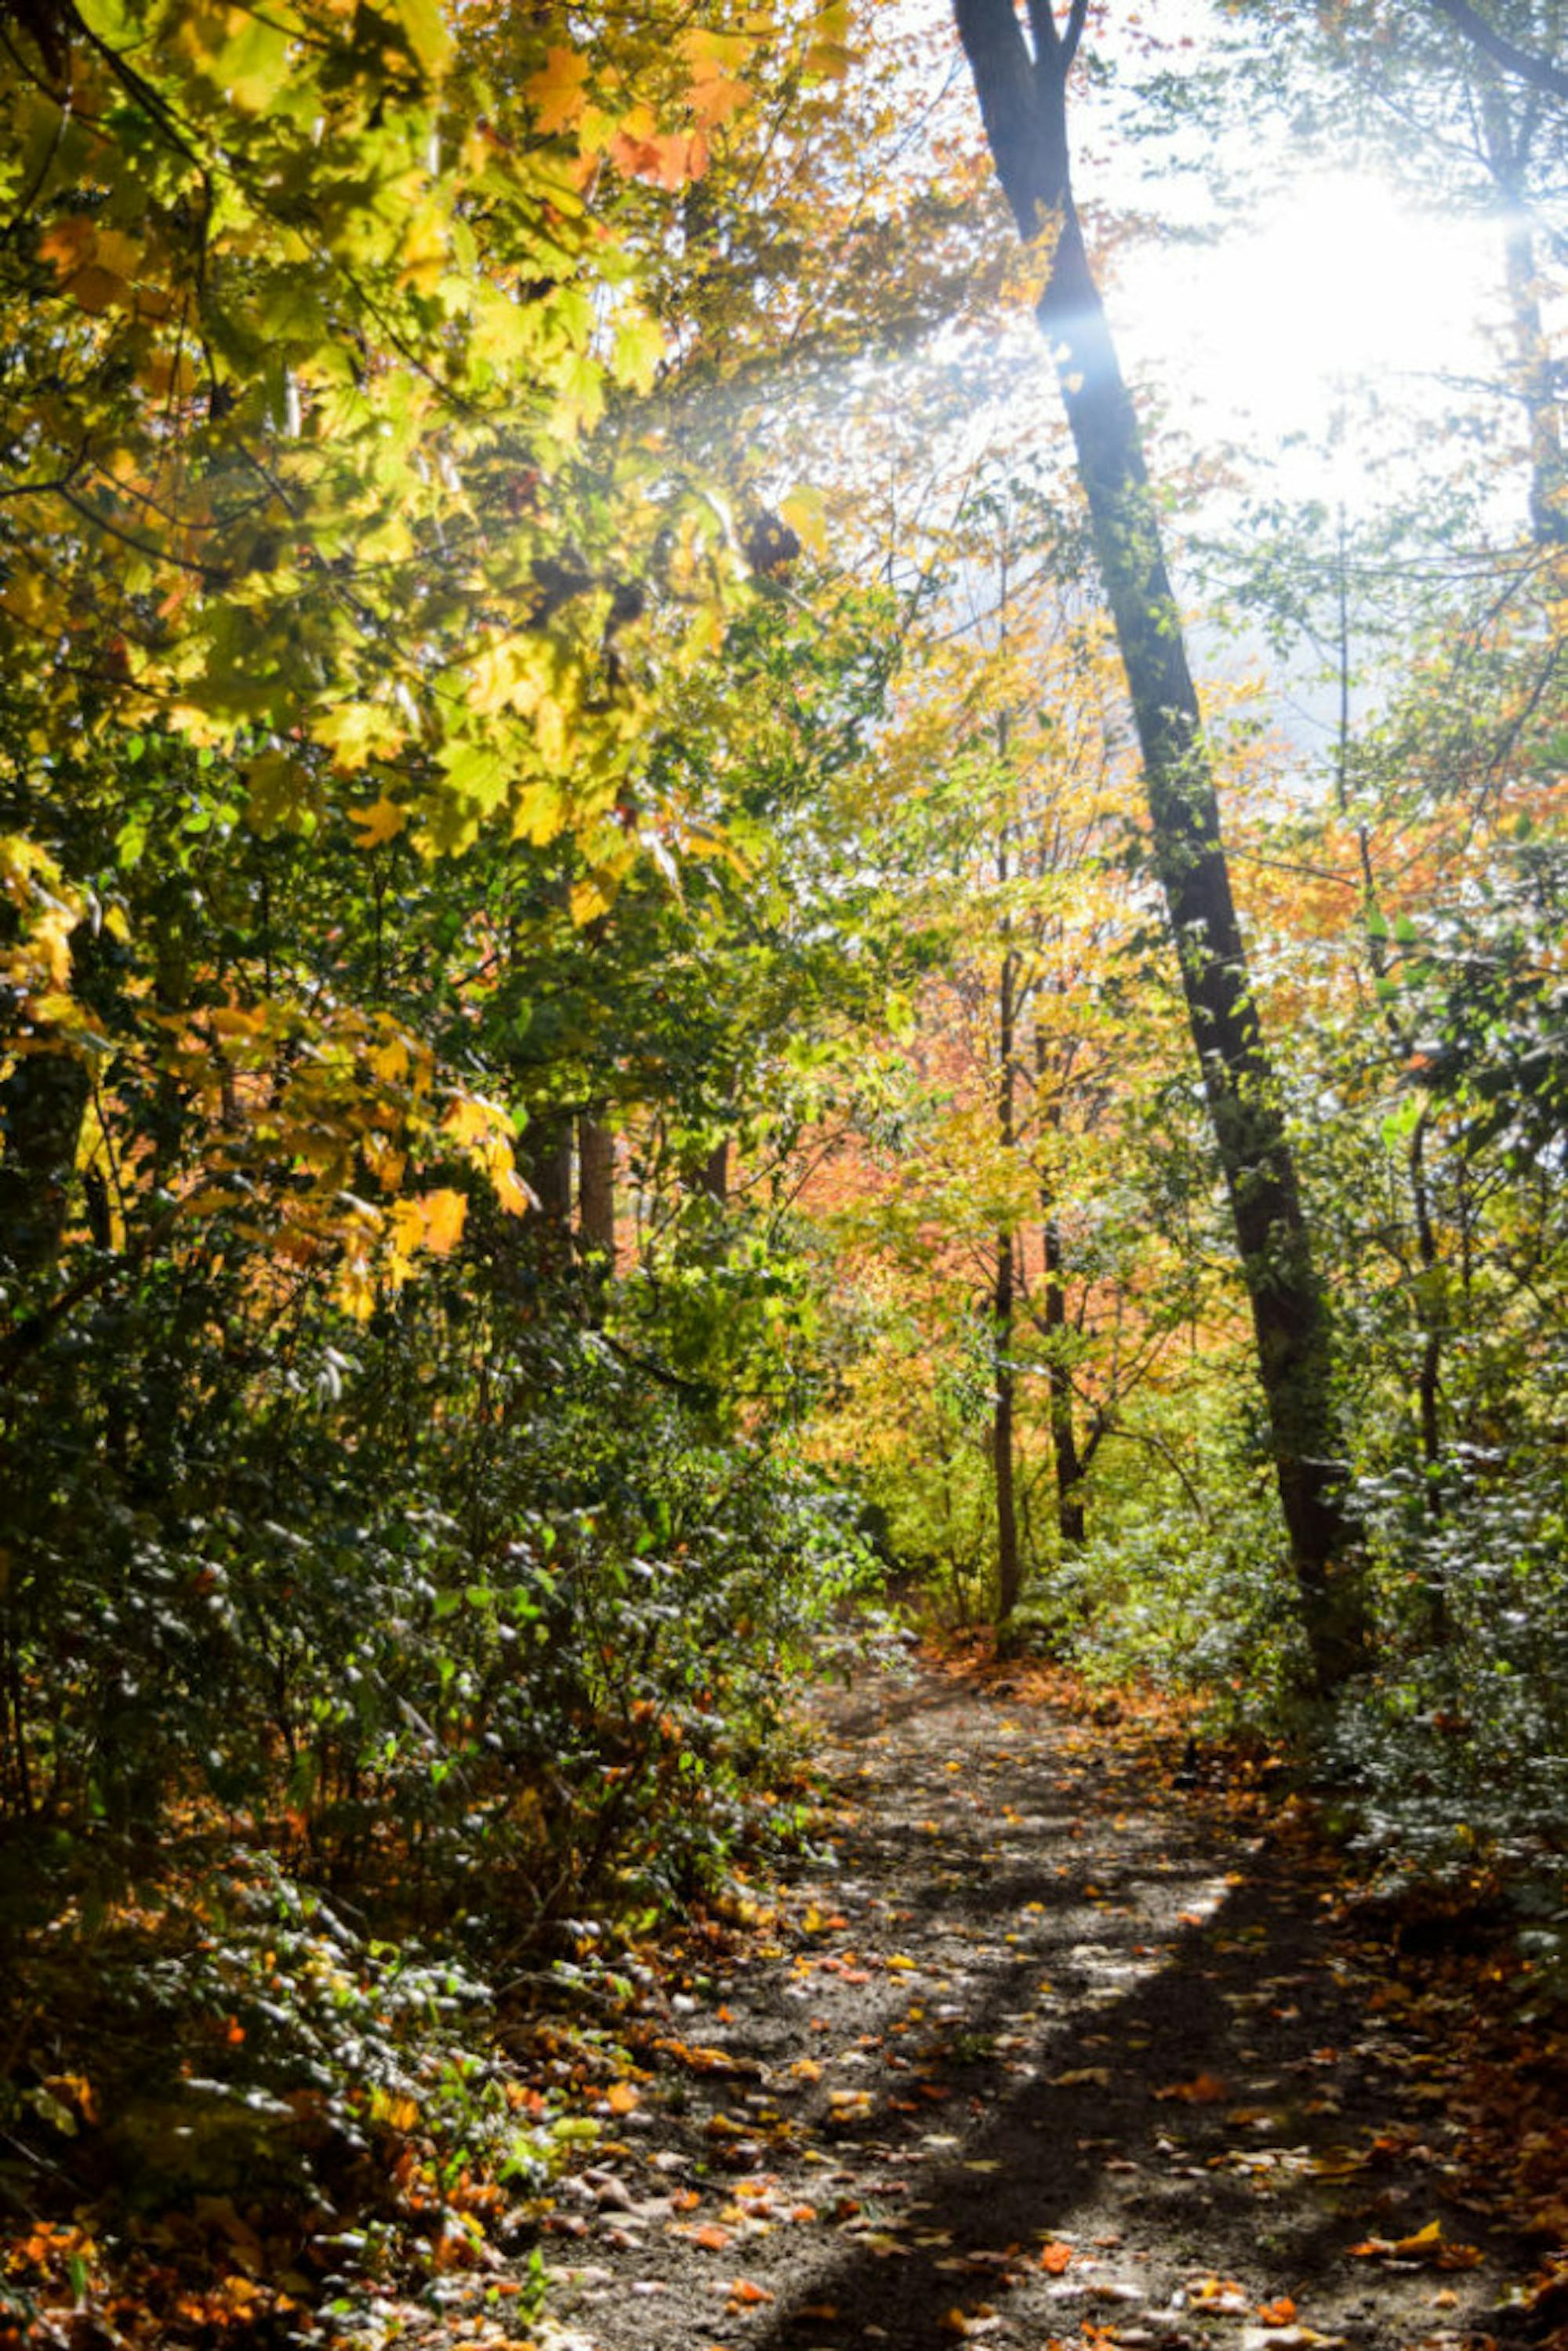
x=1241, y=2010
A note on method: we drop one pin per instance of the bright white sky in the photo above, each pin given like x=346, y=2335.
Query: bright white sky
x=1333, y=281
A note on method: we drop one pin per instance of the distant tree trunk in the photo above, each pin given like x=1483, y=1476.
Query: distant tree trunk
x=1538, y=391
x=1009, y=1571
x=43, y=1102
x=545, y=1160
x=713, y=1175
x=1070, y=1516
x=42, y=1106
x=1508, y=132
x=596, y=1186
x=1023, y=103
x=1067, y=1461
x=1004, y=1379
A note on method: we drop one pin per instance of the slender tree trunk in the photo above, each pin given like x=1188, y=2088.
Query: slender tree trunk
x=43, y=1102
x=1508, y=128
x=1010, y=1567
x=1538, y=391
x=1023, y=104
x=596, y=1186
x=712, y=1175
x=1004, y=1379
x=1066, y=1459
x=1070, y=1515
x=545, y=1161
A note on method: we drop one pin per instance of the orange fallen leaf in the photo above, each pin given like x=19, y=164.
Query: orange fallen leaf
x=711, y=2237
x=745, y=2295
x=1055, y=2259
x=1277, y=2313
x=623, y=2099
x=1207, y=2090
x=1216, y=2293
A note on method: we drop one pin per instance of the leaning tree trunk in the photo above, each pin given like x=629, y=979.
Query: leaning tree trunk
x=1023, y=103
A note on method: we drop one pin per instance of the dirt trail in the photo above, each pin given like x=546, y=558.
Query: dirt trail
x=1038, y=2056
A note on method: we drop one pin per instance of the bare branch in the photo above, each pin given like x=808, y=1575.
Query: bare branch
x=1540, y=72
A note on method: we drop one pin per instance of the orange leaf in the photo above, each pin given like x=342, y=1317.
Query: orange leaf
x=711, y=2237
x=1277, y=2313
x=1207, y=2090
x=443, y=1214
x=1055, y=2258
x=744, y=2295
x=558, y=91
x=623, y=2098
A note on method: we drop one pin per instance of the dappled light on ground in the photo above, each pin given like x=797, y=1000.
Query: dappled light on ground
x=1032, y=2057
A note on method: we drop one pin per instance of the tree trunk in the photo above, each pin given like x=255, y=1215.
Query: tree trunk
x=545, y=1159
x=1023, y=104
x=42, y=1104
x=1009, y=1570
x=1004, y=1379
x=712, y=1175
x=1069, y=1519
x=1538, y=391
x=1508, y=132
x=596, y=1186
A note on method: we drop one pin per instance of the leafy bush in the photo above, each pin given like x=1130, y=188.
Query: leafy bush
x=455, y=1586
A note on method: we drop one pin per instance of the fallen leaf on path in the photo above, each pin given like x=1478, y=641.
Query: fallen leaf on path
x=1216, y=2293
x=745, y=2295
x=1207, y=2090
x=1287, y=2338
x=1428, y=2244
x=1055, y=2259
x=1083, y=2078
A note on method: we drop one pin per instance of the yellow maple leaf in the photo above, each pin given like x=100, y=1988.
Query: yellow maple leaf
x=443, y=1214
x=558, y=91
x=383, y=821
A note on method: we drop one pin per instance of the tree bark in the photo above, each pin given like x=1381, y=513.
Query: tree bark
x=545, y=1159
x=1023, y=105
x=1541, y=73
x=42, y=1104
x=1069, y=1466
x=1004, y=1379
x=596, y=1186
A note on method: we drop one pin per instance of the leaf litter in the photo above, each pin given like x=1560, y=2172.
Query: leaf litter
x=1031, y=2047
x=1046, y=2053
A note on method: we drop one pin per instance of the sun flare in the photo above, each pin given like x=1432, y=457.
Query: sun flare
x=1337, y=283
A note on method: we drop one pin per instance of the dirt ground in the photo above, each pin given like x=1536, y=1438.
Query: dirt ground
x=1042, y=2051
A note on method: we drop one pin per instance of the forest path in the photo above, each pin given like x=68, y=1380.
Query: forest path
x=1041, y=2053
